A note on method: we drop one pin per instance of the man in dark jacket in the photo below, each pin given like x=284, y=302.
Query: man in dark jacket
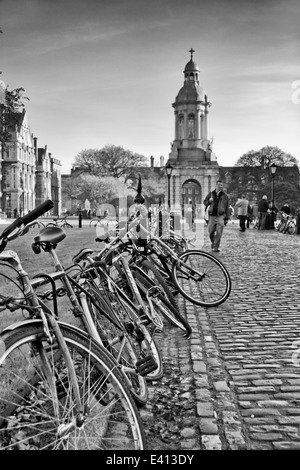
x=263, y=207
x=219, y=213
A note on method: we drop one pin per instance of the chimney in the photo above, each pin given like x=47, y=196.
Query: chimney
x=162, y=158
x=152, y=161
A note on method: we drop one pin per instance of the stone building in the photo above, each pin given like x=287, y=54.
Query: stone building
x=48, y=178
x=18, y=169
x=195, y=166
x=29, y=174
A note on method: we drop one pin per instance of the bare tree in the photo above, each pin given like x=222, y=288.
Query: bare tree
x=111, y=160
x=265, y=157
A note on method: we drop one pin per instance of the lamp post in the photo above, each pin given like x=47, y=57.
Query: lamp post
x=273, y=169
x=168, y=170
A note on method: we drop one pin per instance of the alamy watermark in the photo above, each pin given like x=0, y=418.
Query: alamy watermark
x=296, y=93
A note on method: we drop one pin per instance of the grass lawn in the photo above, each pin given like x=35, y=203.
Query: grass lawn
x=76, y=239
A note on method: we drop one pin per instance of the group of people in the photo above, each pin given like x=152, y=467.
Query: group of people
x=219, y=212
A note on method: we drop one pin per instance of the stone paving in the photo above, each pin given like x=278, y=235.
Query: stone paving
x=243, y=358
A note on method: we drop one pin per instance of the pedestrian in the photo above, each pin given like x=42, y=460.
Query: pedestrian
x=271, y=216
x=242, y=205
x=263, y=207
x=255, y=215
x=249, y=215
x=286, y=209
x=218, y=212
x=189, y=214
x=231, y=212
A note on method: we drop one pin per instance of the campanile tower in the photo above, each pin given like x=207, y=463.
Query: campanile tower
x=195, y=167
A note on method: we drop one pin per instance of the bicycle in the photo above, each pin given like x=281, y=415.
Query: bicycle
x=59, y=389
x=136, y=279
x=60, y=222
x=37, y=224
x=194, y=271
x=287, y=224
x=115, y=330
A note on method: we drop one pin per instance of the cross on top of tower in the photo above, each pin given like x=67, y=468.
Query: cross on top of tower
x=192, y=52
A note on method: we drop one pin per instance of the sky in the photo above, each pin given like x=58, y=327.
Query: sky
x=100, y=72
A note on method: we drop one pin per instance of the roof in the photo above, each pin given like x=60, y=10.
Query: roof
x=190, y=91
x=191, y=66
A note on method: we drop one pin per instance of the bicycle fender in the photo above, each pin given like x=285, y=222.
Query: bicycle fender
x=36, y=321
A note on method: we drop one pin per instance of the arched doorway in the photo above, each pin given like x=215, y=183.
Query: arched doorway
x=191, y=191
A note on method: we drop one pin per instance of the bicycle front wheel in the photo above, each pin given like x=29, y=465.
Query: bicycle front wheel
x=37, y=407
x=202, y=279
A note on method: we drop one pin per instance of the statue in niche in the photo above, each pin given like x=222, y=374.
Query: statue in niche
x=180, y=128
x=191, y=127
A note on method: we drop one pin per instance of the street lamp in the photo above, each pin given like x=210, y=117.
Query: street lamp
x=273, y=169
x=168, y=170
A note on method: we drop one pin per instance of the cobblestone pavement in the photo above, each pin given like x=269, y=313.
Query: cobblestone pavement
x=238, y=377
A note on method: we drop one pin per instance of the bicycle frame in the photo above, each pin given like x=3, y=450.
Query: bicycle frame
x=39, y=310
x=81, y=309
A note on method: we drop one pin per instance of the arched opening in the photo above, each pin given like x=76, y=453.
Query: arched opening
x=191, y=191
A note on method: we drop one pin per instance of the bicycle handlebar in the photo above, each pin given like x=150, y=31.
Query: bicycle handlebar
x=38, y=211
x=30, y=217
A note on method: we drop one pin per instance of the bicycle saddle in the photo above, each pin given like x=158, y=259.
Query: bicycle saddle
x=48, y=236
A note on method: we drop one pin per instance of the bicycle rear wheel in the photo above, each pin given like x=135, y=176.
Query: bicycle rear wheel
x=37, y=408
x=125, y=344
x=161, y=304
x=291, y=228
x=150, y=269
x=202, y=279
x=129, y=328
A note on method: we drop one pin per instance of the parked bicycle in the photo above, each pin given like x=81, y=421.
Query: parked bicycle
x=59, y=389
x=60, y=222
x=286, y=224
x=197, y=275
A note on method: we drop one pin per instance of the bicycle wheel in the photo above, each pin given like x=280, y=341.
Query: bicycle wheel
x=127, y=349
x=37, y=408
x=51, y=224
x=203, y=279
x=128, y=315
x=177, y=244
x=94, y=222
x=161, y=304
x=150, y=269
x=291, y=228
x=150, y=344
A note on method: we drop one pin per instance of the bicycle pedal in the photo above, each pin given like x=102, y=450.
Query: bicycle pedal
x=146, y=365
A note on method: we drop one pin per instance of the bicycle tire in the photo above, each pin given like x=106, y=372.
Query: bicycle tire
x=94, y=223
x=153, y=347
x=162, y=305
x=129, y=315
x=124, y=347
x=158, y=278
x=211, y=289
x=179, y=245
x=28, y=420
x=51, y=224
x=164, y=266
x=291, y=228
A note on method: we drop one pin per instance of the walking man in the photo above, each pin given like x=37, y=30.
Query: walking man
x=242, y=205
x=218, y=212
x=263, y=207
